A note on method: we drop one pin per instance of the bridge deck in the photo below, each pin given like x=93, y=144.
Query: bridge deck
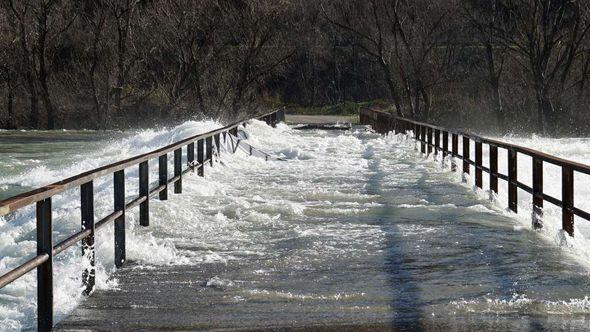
x=361, y=233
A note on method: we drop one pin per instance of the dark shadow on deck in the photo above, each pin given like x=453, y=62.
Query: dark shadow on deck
x=407, y=309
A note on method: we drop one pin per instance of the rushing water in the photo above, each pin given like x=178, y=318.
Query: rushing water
x=354, y=227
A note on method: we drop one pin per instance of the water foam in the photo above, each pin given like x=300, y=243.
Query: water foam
x=17, y=231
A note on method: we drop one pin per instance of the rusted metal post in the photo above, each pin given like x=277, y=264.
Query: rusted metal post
x=478, y=165
x=190, y=154
x=466, y=156
x=494, y=169
x=87, y=213
x=429, y=140
x=163, y=176
x=416, y=135
x=45, y=270
x=209, y=144
x=422, y=139
x=537, y=193
x=567, y=197
x=217, y=144
x=201, y=157
x=144, y=191
x=455, y=152
x=512, y=179
x=436, y=141
x=178, y=170
x=119, y=193
x=445, y=143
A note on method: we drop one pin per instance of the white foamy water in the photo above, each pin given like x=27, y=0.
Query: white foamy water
x=357, y=226
x=51, y=164
x=574, y=149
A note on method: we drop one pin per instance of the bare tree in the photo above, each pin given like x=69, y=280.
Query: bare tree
x=123, y=13
x=545, y=37
x=485, y=16
x=365, y=22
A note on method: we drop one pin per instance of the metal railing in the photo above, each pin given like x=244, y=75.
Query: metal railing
x=42, y=197
x=434, y=139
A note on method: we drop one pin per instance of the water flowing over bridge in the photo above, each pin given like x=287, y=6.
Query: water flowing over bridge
x=328, y=230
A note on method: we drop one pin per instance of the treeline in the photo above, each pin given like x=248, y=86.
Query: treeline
x=485, y=64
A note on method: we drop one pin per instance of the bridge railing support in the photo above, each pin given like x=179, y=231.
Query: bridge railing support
x=422, y=133
x=42, y=197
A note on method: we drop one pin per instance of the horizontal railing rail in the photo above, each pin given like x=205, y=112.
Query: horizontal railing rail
x=435, y=139
x=207, y=145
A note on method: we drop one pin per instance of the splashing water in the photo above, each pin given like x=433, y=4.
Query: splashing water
x=356, y=226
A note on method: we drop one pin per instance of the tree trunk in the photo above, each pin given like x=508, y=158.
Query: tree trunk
x=10, y=123
x=417, y=107
x=426, y=100
x=46, y=98
x=392, y=88
x=199, y=94
x=34, y=103
x=123, y=26
x=30, y=86
x=43, y=73
x=544, y=110
x=498, y=106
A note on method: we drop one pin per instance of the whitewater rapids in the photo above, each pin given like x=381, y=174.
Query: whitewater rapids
x=356, y=224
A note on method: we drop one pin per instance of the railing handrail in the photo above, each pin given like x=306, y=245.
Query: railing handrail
x=46, y=250
x=424, y=133
x=577, y=166
x=21, y=200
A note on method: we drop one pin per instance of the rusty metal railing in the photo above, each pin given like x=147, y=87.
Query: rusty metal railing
x=434, y=139
x=46, y=250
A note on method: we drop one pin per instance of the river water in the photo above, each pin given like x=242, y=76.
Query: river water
x=353, y=228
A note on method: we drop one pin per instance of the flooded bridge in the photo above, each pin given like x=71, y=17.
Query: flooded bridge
x=326, y=230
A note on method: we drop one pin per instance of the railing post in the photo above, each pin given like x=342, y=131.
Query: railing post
x=163, y=176
x=416, y=135
x=178, y=170
x=512, y=179
x=190, y=154
x=537, y=193
x=119, y=184
x=422, y=139
x=45, y=270
x=567, y=197
x=209, y=141
x=217, y=145
x=429, y=140
x=493, y=170
x=436, y=141
x=455, y=152
x=201, y=157
x=87, y=212
x=445, y=143
x=478, y=165
x=144, y=191
x=466, y=156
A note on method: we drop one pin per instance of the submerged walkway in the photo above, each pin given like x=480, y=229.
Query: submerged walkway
x=353, y=230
